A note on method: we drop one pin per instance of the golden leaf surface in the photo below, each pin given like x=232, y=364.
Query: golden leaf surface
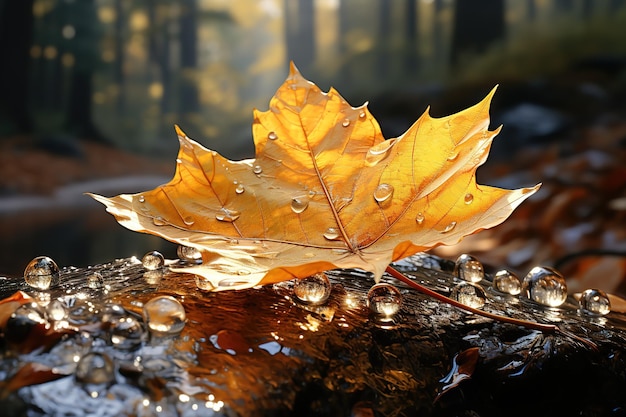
x=325, y=191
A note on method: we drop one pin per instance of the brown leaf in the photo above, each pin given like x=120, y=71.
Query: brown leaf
x=463, y=366
x=325, y=191
x=29, y=374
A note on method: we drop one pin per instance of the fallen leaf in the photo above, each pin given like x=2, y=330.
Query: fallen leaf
x=463, y=366
x=10, y=304
x=30, y=374
x=325, y=191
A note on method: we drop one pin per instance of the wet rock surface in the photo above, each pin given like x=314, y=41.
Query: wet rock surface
x=79, y=348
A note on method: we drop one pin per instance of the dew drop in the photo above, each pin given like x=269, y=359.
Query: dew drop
x=384, y=301
x=469, y=268
x=57, y=310
x=450, y=227
x=469, y=294
x=240, y=189
x=153, y=260
x=95, y=368
x=332, y=233
x=164, y=315
x=203, y=283
x=345, y=123
x=595, y=302
x=179, y=161
x=158, y=221
x=229, y=216
x=257, y=169
x=189, y=254
x=419, y=218
x=468, y=199
x=383, y=192
x=312, y=193
x=272, y=136
x=95, y=281
x=299, y=204
x=142, y=199
x=507, y=282
x=362, y=114
x=453, y=156
x=153, y=277
x=378, y=152
x=231, y=282
x=126, y=333
x=40, y=272
x=314, y=289
x=545, y=285
x=188, y=220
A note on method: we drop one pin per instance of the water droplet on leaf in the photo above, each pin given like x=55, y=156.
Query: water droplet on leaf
x=469, y=294
x=378, y=152
x=188, y=220
x=40, y=272
x=240, y=189
x=595, y=301
x=272, y=136
x=203, y=283
x=332, y=233
x=469, y=268
x=57, y=310
x=189, y=254
x=299, y=204
x=225, y=215
x=153, y=260
x=453, y=156
x=507, y=282
x=384, y=301
x=345, y=123
x=314, y=289
x=158, y=221
x=419, y=218
x=546, y=286
x=450, y=227
x=383, y=192
x=257, y=169
x=164, y=315
x=468, y=199
x=142, y=199
x=362, y=114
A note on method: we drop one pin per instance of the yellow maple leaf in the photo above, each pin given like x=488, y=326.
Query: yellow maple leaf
x=325, y=191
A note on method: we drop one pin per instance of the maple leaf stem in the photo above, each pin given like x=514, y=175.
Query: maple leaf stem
x=542, y=327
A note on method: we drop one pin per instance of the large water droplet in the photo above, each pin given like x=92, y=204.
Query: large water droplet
x=257, y=169
x=225, y=215
x=383, y=192
x=164, y=315
x=419, y=218
x=272, y=136
x=384, y=301
x=332, y=233
x=299, y=204
x=362, y=114
x=593, y=301
x=126, y=333
x=40, y=272
x=507, y=282
x=469, y=198
x=469, y=294
x=153, y=260
x=95, y=281
x=188, y=220
x=314, y=289
x=450, y=227
x=240, y=189
x=545, y=285
x=142, y=199
x=189, y=254
x=95, y=368
x=469, y=268
x=57, y=310
x=345, y=123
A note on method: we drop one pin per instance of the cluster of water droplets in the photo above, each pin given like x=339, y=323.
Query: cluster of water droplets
x=542, y=285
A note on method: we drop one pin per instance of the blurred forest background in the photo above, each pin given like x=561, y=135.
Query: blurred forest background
x=90, y=91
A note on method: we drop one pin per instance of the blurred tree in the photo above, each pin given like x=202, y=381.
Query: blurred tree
x=118, y=71
x=411, y=31
x=476, y=28
x=384, y=37
x=16, y=36
x=299, y=31
x=188, y=57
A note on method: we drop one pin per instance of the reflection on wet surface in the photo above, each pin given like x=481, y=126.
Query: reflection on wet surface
x=150, y=342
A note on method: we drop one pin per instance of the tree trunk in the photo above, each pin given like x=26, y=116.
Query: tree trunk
x=300, y=32
x=16, y=36
x=188, y=57
x=410, y=62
